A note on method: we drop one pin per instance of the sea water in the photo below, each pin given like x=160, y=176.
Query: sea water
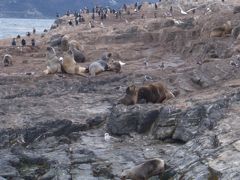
x=11, y=27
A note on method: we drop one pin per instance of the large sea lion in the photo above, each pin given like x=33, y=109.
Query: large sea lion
x=7, y=60
x=70, y=66
x=154, y=93
x=100, y=65
x=115, y=66
x=145, y=170
x=53, y=63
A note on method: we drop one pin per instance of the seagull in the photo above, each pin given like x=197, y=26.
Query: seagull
x=148, y=78
x=121, y=63
x=61, y=59
x=146, y=62
x=108, y=138
x=209, y=10
x=102, y=26
x=182, y=12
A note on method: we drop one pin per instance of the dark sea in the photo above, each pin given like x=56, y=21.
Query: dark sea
x=11, y=27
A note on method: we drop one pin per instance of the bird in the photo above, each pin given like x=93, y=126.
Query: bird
x=232, y=63
x=108, y=138
x=148, y=78
x=122, y=63
x=102, y=26
x=146, y=62
x=182, y=12
x=61, y=59
x=162, y=66
x=209, y=10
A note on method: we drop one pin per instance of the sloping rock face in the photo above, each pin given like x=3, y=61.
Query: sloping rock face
x=53, y=126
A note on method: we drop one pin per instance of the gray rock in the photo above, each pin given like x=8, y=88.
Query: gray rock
x=125, y=120
x=236, y=9
x=235, y=32
x=55, y=40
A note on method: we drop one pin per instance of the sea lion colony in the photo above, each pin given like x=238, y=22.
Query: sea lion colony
x=157, y=92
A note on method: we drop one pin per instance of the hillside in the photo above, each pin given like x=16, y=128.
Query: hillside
x=53, y=126
x=48, y=8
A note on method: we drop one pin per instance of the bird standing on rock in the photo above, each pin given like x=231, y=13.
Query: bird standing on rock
x=146, y=62
x=108, y=138
x=162, y=66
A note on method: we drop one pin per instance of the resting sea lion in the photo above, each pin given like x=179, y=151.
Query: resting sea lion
x=77, y=54
x=154, y=93
x=7, y=60
x=145, y=170
x=99, y=65
x=115, y=66
x=226, y=28
x=70, y=66
x=53, y=63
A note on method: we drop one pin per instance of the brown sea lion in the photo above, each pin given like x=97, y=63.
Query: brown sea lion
x=226, y=28
x=70, y=66
x=154, y=93
x=145, y=170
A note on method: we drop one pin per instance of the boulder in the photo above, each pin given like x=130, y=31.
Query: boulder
x=124, y=120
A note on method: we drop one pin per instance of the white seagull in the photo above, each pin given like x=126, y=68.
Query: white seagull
x=182, y=12
x=108, y=138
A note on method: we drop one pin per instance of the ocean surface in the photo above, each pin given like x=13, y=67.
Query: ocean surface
x=11, y=27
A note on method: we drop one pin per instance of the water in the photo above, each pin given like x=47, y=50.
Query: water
x=11, y=27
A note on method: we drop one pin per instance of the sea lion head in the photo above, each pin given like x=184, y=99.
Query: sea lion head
x=131, y=90
x=51, y=50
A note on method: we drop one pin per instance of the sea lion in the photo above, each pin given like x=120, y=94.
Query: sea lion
x=7, y=60
x=74, y=44
x=64, y=43
x=115, y=66
x=226, y=28
x=100, y=65
x=53, y=63
x=77, y=54
x=145, y=170
x=70, y=66
x=154, y=93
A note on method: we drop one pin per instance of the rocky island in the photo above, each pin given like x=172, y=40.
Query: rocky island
x=53, y=126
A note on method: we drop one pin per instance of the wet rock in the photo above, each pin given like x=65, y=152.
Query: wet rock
x=236, y=9
x=102, y=170
x=83, y=156
x=226, y=165
x=95, y=121
x=55, y=40
x=48, y=175
x=153, y=26
x=124, y=120
x=54, y=26
x=187, y=23
x=235, y=32
x=60, y=21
